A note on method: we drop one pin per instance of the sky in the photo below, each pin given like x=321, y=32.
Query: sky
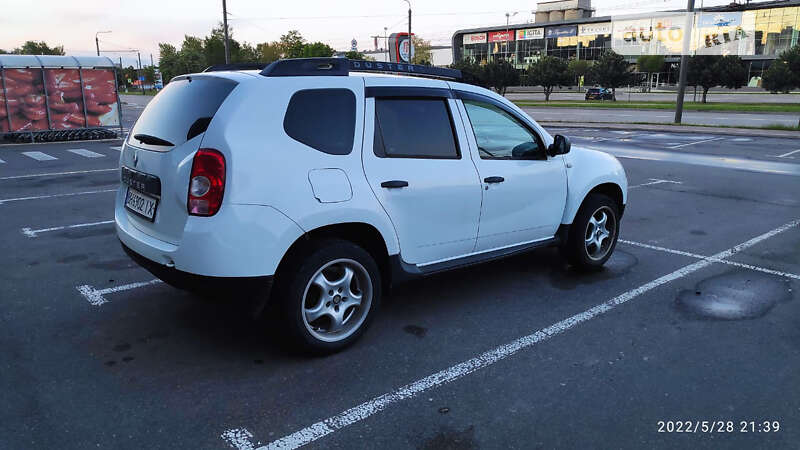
x=142, y=24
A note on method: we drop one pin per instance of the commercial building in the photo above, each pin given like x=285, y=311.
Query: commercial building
x=757, y=32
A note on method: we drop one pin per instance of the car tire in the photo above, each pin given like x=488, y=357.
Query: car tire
x=327, y=295
x=593, y=234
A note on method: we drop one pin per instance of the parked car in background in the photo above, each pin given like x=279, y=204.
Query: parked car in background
x=598, y=93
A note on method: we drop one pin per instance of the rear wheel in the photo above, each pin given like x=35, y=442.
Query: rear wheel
x=593, y=234
x=331, y=298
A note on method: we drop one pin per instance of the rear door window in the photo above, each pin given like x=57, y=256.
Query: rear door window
x=180, y=112
x=414, y=128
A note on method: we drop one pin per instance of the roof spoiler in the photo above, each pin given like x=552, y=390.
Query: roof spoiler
x=342, y=67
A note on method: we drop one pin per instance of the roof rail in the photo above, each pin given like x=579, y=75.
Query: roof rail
x=342, y=67
x=235, y=66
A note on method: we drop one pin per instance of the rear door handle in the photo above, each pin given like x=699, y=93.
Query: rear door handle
x=494, y=180
x=394, y=184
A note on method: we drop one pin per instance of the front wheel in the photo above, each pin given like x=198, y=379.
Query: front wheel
x=331, y=298
x=593, y=234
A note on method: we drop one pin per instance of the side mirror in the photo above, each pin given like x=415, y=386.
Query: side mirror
x=560, y=146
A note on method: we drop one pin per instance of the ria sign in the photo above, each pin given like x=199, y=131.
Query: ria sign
x=399, y=48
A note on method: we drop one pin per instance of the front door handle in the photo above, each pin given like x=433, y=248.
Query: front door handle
x=494, y=180
x=394, y=184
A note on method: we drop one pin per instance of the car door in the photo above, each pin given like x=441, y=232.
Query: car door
x=415, y=165
x=524, y=190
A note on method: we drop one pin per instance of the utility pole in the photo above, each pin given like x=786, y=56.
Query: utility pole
x=151, y=60
x=97, y=41
x=139, y=73
x=684, y=61
x=225, y=27
x=386, y=42
x=410, y=42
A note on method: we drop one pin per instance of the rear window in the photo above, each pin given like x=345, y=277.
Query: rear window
x=181, y=111
x=594, y=91
x=324, y=119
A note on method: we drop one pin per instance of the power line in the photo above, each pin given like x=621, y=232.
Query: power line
x=373, y=16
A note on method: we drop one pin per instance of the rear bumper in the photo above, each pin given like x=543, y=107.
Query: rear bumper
x=200, y=283
x=238, y=242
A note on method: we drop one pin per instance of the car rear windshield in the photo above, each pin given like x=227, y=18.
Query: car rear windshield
x=180, y=112
x=594, y=91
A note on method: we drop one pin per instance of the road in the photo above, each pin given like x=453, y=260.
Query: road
x=622, y=95
x=725, y=118
x=694, y=318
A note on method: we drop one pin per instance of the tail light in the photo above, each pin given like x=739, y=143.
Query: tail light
x=207, y=183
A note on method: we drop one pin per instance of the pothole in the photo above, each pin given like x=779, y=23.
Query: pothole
x=734, y=296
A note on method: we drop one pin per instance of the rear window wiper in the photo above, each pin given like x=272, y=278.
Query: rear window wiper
x=152, y=140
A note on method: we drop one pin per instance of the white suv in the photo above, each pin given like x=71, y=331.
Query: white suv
x=329, y=183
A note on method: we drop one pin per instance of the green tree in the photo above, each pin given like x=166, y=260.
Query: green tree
x=316, y=49
x=548, y=72
x=611, y=71
x=471, y=72
x=149, y=73
x=783, y=74
x=355, y=55
x=422, y=51
x=168, y=61
x=499, y=75
x=292, y=44
x=39, y=48
x=579, y=68
x=192, y=57
x=732, y=72
x=246, y=54
x=268, y=52
x=650, y=64
x=707, y=71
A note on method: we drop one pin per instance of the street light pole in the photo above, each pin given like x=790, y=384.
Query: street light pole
x=684, y=62
x=386, y=42
x=410, y=42
x=139, y=74
x=225, y=27
x=97, y=40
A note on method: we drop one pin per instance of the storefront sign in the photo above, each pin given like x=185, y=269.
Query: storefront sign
x=565, y=31
x=593, y=29
x=475, y=38
x=530, y=33
x=721, y=19
x=501, y=36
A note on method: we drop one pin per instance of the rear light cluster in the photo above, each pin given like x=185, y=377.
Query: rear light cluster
x=207, y=183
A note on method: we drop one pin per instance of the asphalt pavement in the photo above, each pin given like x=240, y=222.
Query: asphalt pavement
x=715, y=95
x=694, y=320
x=725, y=118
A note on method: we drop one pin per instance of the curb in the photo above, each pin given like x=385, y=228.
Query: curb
x=753, y=132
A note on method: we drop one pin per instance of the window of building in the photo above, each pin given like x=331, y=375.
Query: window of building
x=324, y=119
x=414, y=128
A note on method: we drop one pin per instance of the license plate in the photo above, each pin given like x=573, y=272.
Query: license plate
x=141, y=204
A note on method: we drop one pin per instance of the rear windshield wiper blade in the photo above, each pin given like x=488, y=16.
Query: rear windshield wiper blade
x=152, y=140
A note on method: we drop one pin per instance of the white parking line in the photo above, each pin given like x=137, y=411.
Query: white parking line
x=707, y=258
x=96, y=297
x=85, y=153
x=34, y=233
x=785, y=155
x=655, y=181
x=38, y=197
x=55, y=174
x=239, y=438
x=698, y=142
x=382, y=402
x=2, y=162
x=39, y=156
x=119, y=149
